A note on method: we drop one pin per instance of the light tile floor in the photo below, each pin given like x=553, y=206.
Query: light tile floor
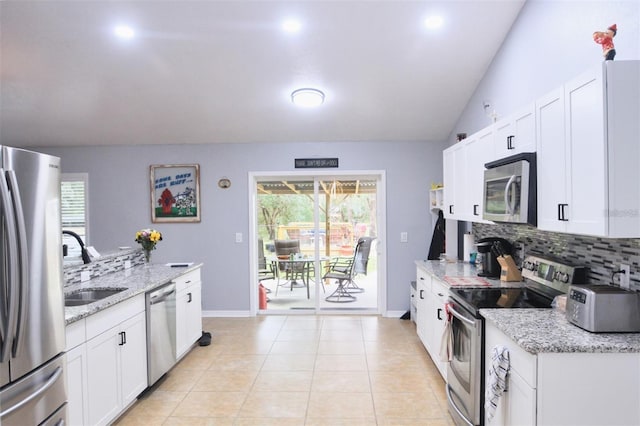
x=300, y=370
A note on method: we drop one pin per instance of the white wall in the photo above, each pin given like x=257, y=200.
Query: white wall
x=119, y=204
x=550, y=43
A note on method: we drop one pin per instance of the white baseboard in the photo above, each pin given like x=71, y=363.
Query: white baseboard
x=245, y=314
x=226, y=314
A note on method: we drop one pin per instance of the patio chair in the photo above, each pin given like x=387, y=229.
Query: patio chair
x=343, y=270
x=361, y=261
x=292, y=271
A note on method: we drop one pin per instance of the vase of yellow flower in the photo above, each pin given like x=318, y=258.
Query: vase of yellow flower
x=148, y=238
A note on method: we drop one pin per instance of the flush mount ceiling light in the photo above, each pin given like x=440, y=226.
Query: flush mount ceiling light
x=291, y=25
x=307, y=97
x=433, y=22
x=124, y=32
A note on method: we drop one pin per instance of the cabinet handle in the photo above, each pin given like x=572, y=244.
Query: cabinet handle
x=450, y=208
x=190, y=298
x=421, y=291
x=561, y=213
x=422, y=278
x=475, y=209
x=510, y=142
x=123, y=338
x=187, y=282
x=439, y=312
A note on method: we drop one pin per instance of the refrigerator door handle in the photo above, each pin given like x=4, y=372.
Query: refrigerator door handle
x=23, y=260
x=50, y=382
x=8, y=314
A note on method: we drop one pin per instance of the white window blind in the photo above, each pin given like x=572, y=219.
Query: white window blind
x=74, y=208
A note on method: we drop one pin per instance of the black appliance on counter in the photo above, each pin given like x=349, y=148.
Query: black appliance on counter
x=544, y=279
x=488, y=263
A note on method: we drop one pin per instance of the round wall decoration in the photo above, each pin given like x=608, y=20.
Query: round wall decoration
x=224, y=183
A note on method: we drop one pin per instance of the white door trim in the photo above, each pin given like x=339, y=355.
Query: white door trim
x=381, y=248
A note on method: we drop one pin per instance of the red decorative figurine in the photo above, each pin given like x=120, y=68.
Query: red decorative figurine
x=605, y=38
x=166, y=201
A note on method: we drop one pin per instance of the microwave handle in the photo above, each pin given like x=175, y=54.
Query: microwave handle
x=507, y=191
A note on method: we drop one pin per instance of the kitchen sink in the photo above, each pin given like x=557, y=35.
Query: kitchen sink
x=84, y=297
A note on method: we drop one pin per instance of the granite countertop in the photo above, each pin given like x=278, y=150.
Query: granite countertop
x=548, y=330
x=536, y=330
x=441, y=269
x=137, y=280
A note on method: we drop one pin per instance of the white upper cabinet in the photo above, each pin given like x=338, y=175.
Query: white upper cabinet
x=551, y=159
x=587, y=138
x=464, y=176
x=479, y=151
x=588, y=153
x=453, y=176
x=515, y=133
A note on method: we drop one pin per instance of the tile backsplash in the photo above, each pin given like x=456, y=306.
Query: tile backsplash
x=105, y=264
x=600, y=255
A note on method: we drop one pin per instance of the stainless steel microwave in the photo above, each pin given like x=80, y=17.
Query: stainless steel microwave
x=510, y=190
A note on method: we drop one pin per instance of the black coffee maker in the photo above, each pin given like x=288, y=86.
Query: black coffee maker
x=487, y=263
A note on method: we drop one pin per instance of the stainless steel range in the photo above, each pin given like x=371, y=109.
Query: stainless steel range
x=544, y=279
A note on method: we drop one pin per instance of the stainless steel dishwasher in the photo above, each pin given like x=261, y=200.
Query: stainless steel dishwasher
x=161, y=331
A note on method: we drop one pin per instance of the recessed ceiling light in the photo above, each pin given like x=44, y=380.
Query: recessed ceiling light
x=291, y=25
x=124, y=32
x=307, y=97
x=433, y=22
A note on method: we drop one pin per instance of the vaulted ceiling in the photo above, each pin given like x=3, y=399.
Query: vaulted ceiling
x=223, y=71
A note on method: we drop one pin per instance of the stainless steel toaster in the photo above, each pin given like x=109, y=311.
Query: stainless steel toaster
x=603, y=308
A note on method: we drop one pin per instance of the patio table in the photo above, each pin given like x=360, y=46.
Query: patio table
x=302, y=264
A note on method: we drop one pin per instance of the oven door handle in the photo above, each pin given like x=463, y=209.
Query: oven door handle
x=461, y=317
x=455, y=407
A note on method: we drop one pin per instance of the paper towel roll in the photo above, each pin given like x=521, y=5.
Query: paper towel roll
x=469, y=246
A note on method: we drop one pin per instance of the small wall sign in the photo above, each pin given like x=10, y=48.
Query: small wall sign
x=316, y=163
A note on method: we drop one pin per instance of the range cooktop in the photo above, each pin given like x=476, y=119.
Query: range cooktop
x=483, y=298
x=544, y=280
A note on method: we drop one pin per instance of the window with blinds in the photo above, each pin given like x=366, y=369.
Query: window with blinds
x=74, y=210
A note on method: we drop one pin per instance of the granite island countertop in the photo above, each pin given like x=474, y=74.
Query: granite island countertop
x=548, y=330
x=136, y=280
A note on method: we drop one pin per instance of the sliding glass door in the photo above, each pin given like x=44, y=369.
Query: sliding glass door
x=307, y=230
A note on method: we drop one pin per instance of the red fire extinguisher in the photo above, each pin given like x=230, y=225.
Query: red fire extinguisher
x=262, y=297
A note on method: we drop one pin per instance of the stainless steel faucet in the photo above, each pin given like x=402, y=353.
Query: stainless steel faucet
x=85, y=255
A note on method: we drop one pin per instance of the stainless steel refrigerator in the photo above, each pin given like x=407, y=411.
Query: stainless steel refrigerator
x=32, y=329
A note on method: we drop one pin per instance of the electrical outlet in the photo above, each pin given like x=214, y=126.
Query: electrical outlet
x=127, y=264
x=238, y=237
x=85, y=276
x=624, y=276
x=404, y=237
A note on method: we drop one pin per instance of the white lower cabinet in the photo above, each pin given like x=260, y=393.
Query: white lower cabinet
x=108, y=372
x=436, y=321
x=431, y=317
x=188, y=311
x=568, y=388
x=423, y=288
x=77, y=397
x=117, y=366
x=517, y=406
